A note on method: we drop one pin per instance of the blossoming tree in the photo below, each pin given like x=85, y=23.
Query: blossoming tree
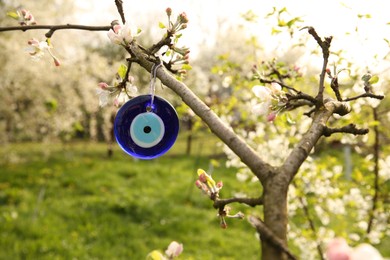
x=273, y=95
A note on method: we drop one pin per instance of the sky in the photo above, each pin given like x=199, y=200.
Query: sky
x=330, y=17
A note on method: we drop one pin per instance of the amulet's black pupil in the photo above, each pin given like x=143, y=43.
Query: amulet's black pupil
x=147, y=129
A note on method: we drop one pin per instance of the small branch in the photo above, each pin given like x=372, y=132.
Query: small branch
x=369, y=95
x=221, y=203
x=302, y=149
x=156, y=47
x=304, y=96
x=334, y=84
x=268, y=235
x=294, y=105
x=53, y=28
x=119, y=7
x=349, y=129
x=280, y=83
x=325, y=45
x=376, y=174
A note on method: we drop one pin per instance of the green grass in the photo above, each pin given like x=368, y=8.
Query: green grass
x=72, y=202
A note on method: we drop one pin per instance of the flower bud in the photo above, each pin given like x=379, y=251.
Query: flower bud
x=198, y=184
x=271, y=117
x=223, y=223
x=103, y=85
x=203, y=178
x=168, y=11
x=183, y=17
x=56, y=61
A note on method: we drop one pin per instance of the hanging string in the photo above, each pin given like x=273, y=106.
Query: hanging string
x=153, y=76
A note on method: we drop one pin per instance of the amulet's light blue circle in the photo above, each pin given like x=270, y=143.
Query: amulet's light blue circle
x=147, y=129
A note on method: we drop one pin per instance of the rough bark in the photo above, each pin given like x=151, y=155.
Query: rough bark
x=275, y=215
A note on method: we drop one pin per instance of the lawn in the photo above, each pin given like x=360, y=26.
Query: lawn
x=73, y=202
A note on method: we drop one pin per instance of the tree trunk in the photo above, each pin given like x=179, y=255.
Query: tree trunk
x=275, y=215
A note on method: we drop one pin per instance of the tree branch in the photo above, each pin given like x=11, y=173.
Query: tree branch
x=248, y=156
x=349, y=129
x=304, y=96
x=280, y=83
x=221, y=203
x=370, y=95
x=325, y=45
x=156, y=47
x=53, y=28
x=302, y=149
x=376, y=174
x=119, y=7
x=268, y=235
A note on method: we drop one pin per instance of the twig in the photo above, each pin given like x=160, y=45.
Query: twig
x=296, y=104
x=156, y=47
x=334, y=84
x=280, y=83
x=370, y=95
x=53, y=28
x=119, y=7
x=325, y=45
x=268, y=235
x=304, y=96
x=348, y=129
x=376, y=174
x=220, y=203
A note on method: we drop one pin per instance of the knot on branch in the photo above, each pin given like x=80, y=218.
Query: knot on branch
x=340, y=108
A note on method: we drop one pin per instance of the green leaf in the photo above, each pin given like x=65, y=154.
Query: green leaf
x=374, y=79
x=161, y=25
x=289, y=119
x=186, y=67
x=12, y=14
x=122, y=71
x=275, y=31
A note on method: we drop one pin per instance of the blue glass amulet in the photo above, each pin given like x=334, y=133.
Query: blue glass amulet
x=145, y=130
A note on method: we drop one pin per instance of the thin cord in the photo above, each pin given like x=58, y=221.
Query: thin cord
x=153, y=76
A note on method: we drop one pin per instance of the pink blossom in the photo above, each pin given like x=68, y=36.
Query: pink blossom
x=271, y=117
x=203, y=177
x=338, y=249
x=103, y=85
x=123, y=34
x=174, y=249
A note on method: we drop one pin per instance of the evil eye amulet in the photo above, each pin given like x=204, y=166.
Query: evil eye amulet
x=146, y=131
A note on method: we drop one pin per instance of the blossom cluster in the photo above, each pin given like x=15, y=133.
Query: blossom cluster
x=123, y=34
x=211, y=188
x=118, y=94
x=272, y=101
x=178, y=56
x=207, y=184
x=37, y=49
x=23, y=16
